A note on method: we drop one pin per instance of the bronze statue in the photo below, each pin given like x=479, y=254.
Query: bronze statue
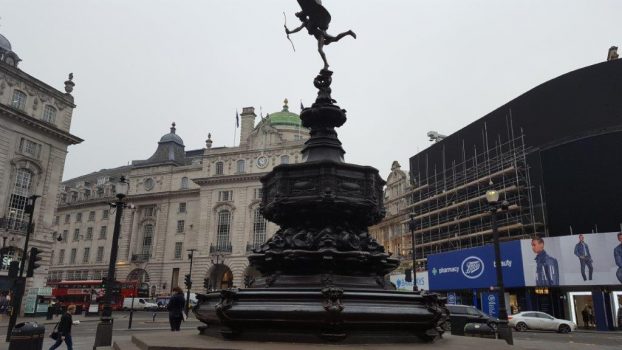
x=315, y=18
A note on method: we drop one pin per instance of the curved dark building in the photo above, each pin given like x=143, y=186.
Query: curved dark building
x=555, y=153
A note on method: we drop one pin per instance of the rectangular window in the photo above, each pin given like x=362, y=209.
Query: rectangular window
x=100, y=254
x=180, y=226
x=61, y=257
x=19, y=100
x=220, y=168
x=91, y=216
x=240, y=166
x=102, y=232
x=65, y=235
x=56, y=220
x=67, y=217
x=89, y=233
x=30, y=148
x=72, y=256
x=86, y=256
x=49, y=114
x=182, y=207
x=148, y=211
x=225, y=196
x=87, y=195
x=102, y=180
x=178, y=248
x=76, y=234
x=258, y=193
x=97, y=275
x=105, y=214
x=78, y=217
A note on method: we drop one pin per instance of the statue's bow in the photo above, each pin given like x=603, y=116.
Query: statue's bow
x=288, y=38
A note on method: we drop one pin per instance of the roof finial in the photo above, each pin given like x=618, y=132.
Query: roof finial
x=285, y=107
x=208, y=142
x=173, y=128
x=69, y=84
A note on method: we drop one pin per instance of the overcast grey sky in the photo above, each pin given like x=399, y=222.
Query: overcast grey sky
x=416, y=66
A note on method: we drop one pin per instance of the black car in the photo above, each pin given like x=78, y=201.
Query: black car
x=460, y=315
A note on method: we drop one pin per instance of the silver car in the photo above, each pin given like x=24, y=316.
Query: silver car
x=525, y=320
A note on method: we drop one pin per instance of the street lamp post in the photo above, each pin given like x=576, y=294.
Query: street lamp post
x=505, y=332
x=411, y=226
x=19, y=284
x=190, y=256
x=103, y=335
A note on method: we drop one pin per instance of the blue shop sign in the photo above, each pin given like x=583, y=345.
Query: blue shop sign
x=475, y=268
x=490, y=304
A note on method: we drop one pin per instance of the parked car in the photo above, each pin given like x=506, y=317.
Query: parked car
x=525, y=320
x=460, y=315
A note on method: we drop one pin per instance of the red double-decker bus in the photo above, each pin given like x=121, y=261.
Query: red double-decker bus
x=87, y=292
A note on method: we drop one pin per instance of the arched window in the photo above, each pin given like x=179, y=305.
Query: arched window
x=285, y=159
x=220, y=168
x=240, y=166
x=147, y=240
x=49, y=114
x=19, y=197
x=223, y=230
x=259, y=228
x=19, y=100
x=184, y=183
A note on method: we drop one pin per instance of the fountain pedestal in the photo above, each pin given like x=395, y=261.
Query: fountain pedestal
x=322, y=274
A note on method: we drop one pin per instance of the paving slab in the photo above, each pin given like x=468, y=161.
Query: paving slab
x=192, y=341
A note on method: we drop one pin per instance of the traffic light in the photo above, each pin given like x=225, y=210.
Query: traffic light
x=409, y=275
x=33, y=261
x=187, y=281
x=206, y=284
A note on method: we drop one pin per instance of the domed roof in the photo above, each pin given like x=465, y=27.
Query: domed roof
x=284, y=117
x=172, y=137
x=4, y=43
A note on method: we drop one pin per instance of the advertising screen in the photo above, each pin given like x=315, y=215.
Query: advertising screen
x=583, y=259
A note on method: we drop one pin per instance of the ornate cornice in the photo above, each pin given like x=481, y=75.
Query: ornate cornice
x=17, y=73
x=39, y=125
x=129, y=198
x=203, y=181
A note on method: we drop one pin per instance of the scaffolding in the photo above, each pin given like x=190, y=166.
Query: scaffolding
x=449, y=205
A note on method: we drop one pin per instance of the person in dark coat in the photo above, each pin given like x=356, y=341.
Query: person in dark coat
x=175, y=308
x=64, y=329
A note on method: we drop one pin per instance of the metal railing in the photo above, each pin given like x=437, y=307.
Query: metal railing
x=140, y=257
x=11, y=224
x=220, y=248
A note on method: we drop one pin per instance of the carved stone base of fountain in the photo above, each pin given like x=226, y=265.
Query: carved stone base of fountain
x=328, y=314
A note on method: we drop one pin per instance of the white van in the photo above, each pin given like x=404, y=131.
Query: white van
x=139, y=304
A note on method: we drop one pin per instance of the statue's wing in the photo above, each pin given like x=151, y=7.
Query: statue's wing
x=318, y=15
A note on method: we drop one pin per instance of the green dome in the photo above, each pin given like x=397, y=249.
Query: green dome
x=284, y=117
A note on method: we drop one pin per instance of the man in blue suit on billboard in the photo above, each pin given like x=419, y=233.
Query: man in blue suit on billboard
x=582, y=251
x=617, y=255
x=547, y=269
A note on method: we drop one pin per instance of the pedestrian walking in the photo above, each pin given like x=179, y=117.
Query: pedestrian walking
x=585, y=314
x=64, y=329
x=175, y=309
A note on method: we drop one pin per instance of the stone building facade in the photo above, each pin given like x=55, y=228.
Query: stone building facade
x=205, y=199
x=35, y=122
x=392, y=232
